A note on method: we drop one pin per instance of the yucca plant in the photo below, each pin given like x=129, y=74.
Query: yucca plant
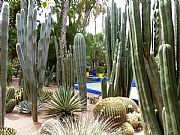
x=64, y=103
x=86, y=125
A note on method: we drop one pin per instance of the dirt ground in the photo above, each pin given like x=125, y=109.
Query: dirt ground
x=23, y=123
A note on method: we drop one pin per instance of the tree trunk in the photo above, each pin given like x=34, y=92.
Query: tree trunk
x=62, y=41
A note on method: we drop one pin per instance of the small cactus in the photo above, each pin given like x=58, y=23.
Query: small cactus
x=126, y=129
x=10, y=94
x=132, y=119
x=10, y=105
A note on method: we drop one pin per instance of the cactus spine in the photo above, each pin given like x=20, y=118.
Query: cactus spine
x=33, y=56
x=4, y=22
x=80, y=64
x=118, y=50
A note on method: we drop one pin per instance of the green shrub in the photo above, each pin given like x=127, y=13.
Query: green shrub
x=101, y=69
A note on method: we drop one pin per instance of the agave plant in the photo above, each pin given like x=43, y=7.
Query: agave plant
x=45, y=95
x=26, y=106
x=64, y=103
x=86, y=125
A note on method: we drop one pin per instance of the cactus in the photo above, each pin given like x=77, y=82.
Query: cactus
x=10, y=94
x=33, y=56
x=4, y=22
x=10, y=100
x=104, y=88
x=111, y=108
x=48, y=75
x=158, y=88
x=64, y=66
x=80, y=64
x=118, y=49
x=26, y=106
x=125, y=129
x=10, y=105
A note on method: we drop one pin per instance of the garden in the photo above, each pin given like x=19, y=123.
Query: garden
x=56, y=78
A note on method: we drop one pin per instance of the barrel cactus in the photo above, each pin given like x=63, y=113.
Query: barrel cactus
x=125, y=129
x=10, y=100
x=80, y=64
x=10, y=105
x=111, y=108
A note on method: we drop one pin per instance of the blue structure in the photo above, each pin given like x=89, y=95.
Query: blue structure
x=97, y=80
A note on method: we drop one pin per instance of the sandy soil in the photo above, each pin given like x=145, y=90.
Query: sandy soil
x=23, y=123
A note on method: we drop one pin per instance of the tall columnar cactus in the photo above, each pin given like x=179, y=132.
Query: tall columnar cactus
x=158, y=87
x=4, y=22
x=80, y=64
x=118, y=52
x=33, y=56
x=65, y=75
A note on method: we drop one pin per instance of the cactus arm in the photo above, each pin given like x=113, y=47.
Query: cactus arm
x=168, y=77
x=146, y=25
x=104, y=88
x=4, y=54
x=178, y=45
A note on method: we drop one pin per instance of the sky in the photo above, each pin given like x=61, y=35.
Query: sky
x=91, y=27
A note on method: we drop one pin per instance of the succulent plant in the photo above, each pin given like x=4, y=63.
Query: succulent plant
x=10, y=94
x=119, y=64
x=85, y=125
x=132, y=119
x=45, y=95
x=64, y=103
x=111, y=108
x=80, y=65
x=10, y=105
x=10, y=100
x=26, y=106
x=32, y=55
x=4, y=23
x=125, y=129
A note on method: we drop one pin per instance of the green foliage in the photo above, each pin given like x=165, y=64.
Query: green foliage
x=101, y=69
x=95, y=49
x=64, y=103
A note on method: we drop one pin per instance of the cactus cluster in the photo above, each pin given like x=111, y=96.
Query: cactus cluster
x=158, y=87
x=4, y=23
x=80, y=64
x=65, y=66
x=118, y=54
x=32, y=56
x=10, y=100
x=119, y=111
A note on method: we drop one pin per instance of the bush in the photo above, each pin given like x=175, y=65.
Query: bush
x=101, y=69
